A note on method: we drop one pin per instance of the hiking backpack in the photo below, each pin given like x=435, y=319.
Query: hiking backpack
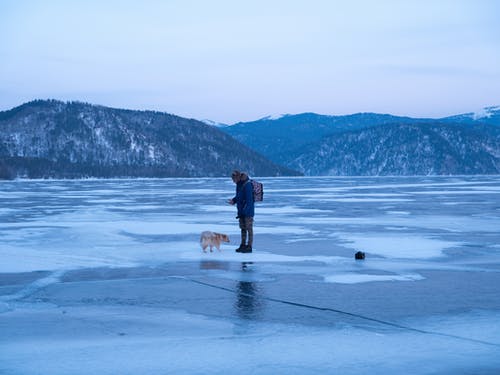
x=258, y=191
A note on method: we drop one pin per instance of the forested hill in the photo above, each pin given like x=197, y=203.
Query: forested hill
x=54, y=139
x=377, y=144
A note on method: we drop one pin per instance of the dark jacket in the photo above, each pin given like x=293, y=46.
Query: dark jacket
x=244, y=198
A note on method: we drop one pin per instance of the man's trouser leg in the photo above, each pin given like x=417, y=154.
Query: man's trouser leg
x=243, y=231
x=249, y=228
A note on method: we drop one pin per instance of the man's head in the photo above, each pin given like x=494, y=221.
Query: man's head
x=236, y=176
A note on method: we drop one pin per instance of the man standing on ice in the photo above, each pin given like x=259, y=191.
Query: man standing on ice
x=245, y=204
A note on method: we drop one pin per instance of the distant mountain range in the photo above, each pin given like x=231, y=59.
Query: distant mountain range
x=377, y=144
x=48, y=138
x=54, y=139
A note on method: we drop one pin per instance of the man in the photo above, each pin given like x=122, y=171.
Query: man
x=245, y=204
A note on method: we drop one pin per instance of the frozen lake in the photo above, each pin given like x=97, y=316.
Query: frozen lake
x=107, y=277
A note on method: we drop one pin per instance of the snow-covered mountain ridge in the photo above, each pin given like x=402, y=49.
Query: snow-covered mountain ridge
x=48, y=138
x=57, y=139
x=487, y=114
x=378, y=144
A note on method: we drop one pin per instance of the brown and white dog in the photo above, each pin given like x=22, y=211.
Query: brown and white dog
x=212, y=239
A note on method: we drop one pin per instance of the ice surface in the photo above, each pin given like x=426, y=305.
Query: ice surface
x=107, y=276
x=181, y=343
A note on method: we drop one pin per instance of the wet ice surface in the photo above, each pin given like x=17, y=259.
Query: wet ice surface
x=108, y=277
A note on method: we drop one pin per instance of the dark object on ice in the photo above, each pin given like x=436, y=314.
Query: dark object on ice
x=359, y=255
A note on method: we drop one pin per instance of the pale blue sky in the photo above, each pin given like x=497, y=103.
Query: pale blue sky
x=233, y=60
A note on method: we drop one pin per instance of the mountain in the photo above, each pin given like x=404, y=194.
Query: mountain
x=53, y=139
x=404, y=149
x=49, y=138
x=276, y=138
x=378, y=144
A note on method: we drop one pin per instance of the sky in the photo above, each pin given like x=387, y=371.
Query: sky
x=230, y=61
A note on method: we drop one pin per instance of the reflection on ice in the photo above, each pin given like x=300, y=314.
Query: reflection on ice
x=213, y=265
x=248, y=300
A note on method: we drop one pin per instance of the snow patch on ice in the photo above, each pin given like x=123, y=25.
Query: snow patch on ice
x=354, y=278
x=33, y=287
x=397, y=246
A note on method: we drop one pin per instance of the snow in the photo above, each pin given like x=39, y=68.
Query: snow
x=484, y=112
x=107, y=276
x=352, y=278
x=397, y=246
x=273, y=117
x=214, y=123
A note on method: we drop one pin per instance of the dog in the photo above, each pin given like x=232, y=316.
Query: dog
x=212, y=239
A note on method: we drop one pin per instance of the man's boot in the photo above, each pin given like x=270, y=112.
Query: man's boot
x=246, y=249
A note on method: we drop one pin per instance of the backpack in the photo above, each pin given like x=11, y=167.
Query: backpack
x=258, y=191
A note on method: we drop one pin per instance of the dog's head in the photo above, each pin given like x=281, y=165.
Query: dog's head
x=222, y=237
